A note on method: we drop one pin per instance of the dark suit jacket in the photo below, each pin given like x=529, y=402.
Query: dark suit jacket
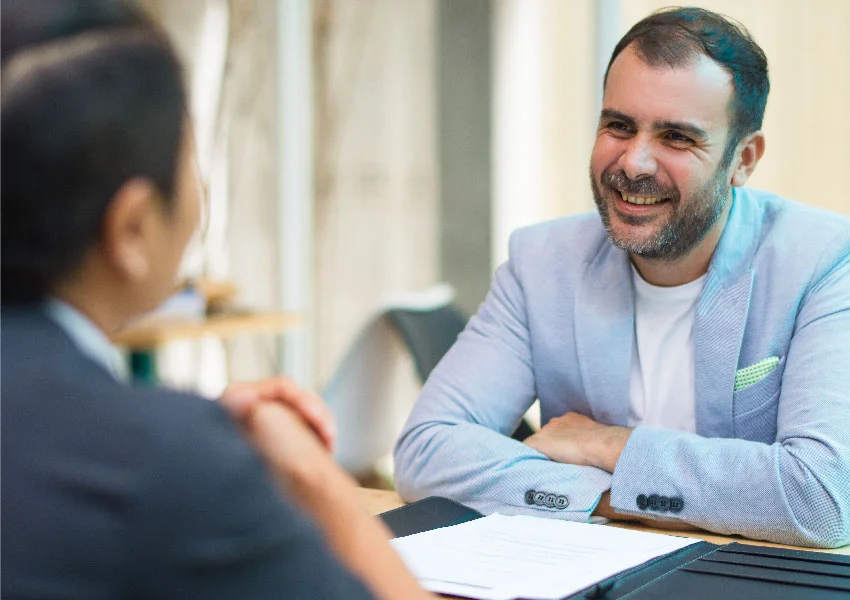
x=110, y=491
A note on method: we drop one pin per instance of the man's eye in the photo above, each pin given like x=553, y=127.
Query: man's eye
x=617, y=127
x=675, y=136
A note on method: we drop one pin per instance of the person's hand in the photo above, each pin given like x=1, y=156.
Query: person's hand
x=242, y=399
x=329, y=496
x=295, y=454
x=578, y=440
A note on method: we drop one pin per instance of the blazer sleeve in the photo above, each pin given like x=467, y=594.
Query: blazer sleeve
x=456, y=442
x=212, y=525
x=793, y=491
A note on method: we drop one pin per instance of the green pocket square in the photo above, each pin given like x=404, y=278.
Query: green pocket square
x=755, y=373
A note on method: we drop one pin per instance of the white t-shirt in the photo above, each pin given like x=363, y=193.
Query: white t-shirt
x=661, y=391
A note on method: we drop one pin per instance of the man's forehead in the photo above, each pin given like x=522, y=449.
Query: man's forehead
x=698, y=90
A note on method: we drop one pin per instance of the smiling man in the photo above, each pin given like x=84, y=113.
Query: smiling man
x=689, y=344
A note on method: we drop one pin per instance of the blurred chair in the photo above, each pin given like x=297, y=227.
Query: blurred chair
x=429, y=335
x=375, y=384
x=373, y=389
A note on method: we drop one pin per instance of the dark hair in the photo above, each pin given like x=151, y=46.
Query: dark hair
x=93, y=96
x=674, y=37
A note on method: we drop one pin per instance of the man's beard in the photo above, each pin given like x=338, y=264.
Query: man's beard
x=686, y=226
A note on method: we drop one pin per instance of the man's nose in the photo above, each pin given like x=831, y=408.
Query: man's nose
x=638, y=161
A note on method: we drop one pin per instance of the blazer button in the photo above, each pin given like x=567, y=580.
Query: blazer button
x=550, y=500
x=642, y=502
x=676, y=505
x=663, y=503
x=562, y=502
x=652, y=502
x=539, y=498
x=529, y=497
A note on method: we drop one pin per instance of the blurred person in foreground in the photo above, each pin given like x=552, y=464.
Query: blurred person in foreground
x=116, y=491
x=689, y=343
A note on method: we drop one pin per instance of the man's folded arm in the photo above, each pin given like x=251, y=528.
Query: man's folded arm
x=794, y=491
x=456, y=441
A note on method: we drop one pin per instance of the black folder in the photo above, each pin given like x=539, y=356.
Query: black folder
x=702, y=571
x=429, y=513
x=738, y=571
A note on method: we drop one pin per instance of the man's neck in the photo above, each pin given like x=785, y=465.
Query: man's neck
x=91, y=307
x=96, y=297
x=692, y=266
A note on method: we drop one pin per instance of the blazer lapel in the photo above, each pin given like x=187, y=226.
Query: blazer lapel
x=721, y=316
x=604, y=326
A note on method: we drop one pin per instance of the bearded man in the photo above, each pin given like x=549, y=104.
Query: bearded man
x=689, y=344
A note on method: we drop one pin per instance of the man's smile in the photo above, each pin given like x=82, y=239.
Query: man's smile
x=629, y=204
x=641, y=199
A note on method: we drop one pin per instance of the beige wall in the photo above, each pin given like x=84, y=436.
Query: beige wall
x=544, y=113
x=376, y=189
x=376, y=204
x=569, y=103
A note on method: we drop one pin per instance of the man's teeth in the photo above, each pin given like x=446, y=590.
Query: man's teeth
x=641, y=200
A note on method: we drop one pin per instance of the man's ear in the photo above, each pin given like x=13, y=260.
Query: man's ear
x=128, y=227
x=751, y=149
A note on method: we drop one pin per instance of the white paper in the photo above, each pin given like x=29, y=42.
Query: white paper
x=501, y=558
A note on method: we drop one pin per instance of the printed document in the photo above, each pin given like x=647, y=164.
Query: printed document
x=501, y=558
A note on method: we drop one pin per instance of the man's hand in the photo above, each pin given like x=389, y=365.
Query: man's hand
x=578, y=440
x=242, y=399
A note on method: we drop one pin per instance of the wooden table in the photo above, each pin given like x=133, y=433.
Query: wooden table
x=378, y=501
x=144, y=338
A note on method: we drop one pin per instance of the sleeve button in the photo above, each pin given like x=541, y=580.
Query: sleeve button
x=676, y=505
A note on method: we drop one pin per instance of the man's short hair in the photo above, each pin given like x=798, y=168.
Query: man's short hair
x=93, y=96
x=674, y=37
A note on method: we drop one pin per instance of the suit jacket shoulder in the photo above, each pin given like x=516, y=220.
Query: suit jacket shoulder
x=786, y=229
x=110, y=490
x=570, y=241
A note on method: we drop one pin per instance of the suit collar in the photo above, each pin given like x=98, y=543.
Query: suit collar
x=604, y=325
x=721, y=316
x=33, y=333
x=87, y=336
x=740, y=238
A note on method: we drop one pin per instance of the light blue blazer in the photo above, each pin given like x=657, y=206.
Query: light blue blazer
x=769, y=461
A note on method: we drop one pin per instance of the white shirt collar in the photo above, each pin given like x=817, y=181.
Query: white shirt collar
x=87, y=336
x=686, y=291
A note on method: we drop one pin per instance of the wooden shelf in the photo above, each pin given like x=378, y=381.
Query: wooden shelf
x=152, y=334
